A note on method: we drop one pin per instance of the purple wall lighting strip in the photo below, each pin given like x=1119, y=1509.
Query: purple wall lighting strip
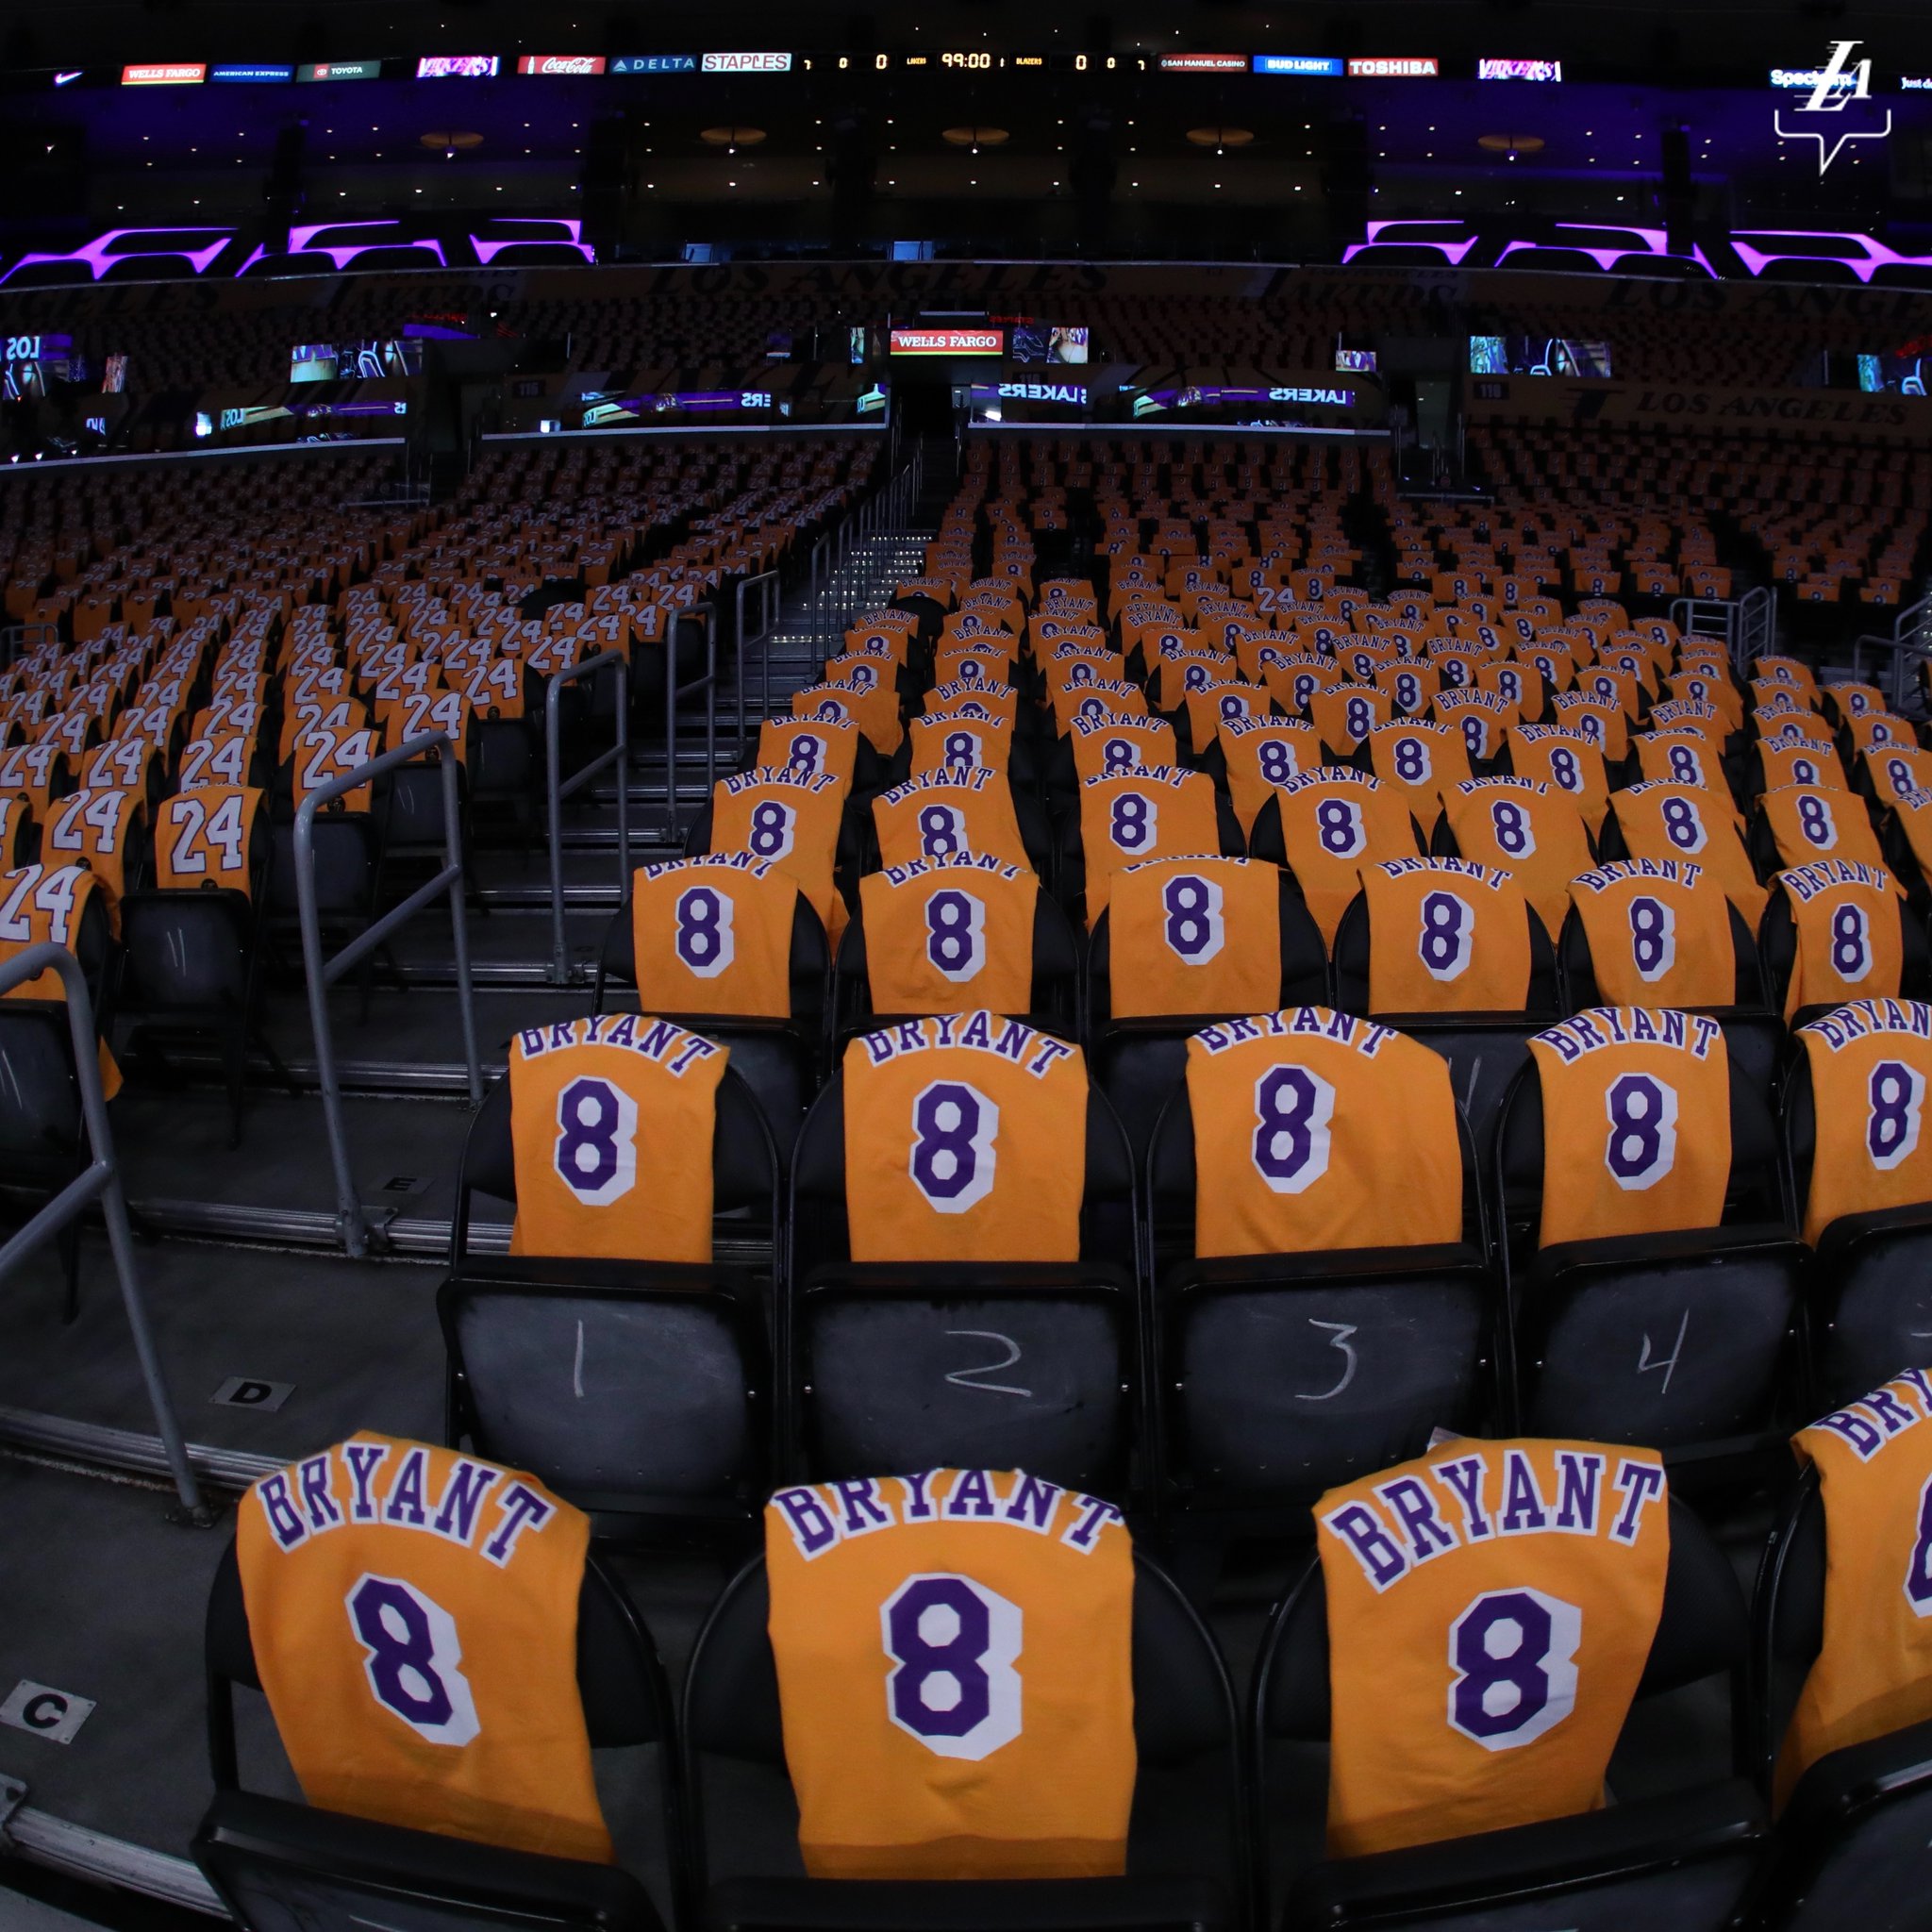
x=570, y=236
x=301, y=240
x=1875, y=255
x=1380, y=237
x=100, y=253
x=1655, y=244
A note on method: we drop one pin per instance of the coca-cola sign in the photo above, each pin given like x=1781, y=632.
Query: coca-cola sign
x=559, y=64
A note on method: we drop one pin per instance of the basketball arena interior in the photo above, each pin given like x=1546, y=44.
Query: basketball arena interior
x=966, y=970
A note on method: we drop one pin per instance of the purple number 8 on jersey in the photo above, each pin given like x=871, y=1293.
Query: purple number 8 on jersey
x=953, y=1685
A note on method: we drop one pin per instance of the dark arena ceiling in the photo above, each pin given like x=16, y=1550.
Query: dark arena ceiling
x=1228, y=131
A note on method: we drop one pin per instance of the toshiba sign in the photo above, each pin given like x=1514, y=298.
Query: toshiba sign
x=559, y=64
x=948, y=342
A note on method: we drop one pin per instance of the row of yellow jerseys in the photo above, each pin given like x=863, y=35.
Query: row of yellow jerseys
x=965, y=1135
x=414, y=1611
x=1490, y=1609
x=1539, y=829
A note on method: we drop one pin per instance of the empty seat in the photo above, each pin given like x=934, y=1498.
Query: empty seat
x=192, y=942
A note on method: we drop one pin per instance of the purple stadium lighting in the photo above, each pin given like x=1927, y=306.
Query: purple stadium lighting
x=1655, y=244
x=100, y=253
x=572, y=236
x=1877, y=255
x=1380, y=235
x=301, y=240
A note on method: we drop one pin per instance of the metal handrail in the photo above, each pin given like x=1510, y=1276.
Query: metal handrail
x=101, y=1181
x=766, y=585
x=322, y=974
x=18, y=638
x=819, y=581
x=706, y=613
x=559, y=789
x=1911, y=630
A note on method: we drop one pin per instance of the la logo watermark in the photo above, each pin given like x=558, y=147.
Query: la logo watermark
x=1840, y=82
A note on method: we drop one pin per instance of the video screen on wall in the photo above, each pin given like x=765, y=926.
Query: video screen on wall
x=364, y=361
x=1899, y=376
x=1042, y=341
x=30, y=364
x=1537, y=355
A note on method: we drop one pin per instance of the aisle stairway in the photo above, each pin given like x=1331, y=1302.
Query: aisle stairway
x=273, y=1342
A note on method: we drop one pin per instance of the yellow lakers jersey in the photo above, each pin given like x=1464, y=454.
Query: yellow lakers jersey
x=320, y=755
x=206, y=838
x=1680, y=758
x=92, y=828
x=1112, y=742
x=1660, y=819
x=1845, y=918
x=808, y=747
x=1800, y=763
x=1314, y=1130
x=1491, y=1606
x=1873, y=1674
x=1483, y=717
x=1566, y=761
x=873, y=707
x=1261, y=754
x=965, y=1141
x=946, y=740
x=1346, y=713
x=1637, y=1123
x=972, y=701
x=414, y=1617
x=1445, y=936
x=1810, y=822
x=773, y=814
x=612, y=1122
x=1193, y=935
x=946, y=929
x=955, y=1665
x=1420, y=762
x=1148, y=812
x=1894, y=770
x=1869, y=1064
x=714, y=935
x=952, y=810
x=1529, y=830
x=1334, y=821
x=1659, y=932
